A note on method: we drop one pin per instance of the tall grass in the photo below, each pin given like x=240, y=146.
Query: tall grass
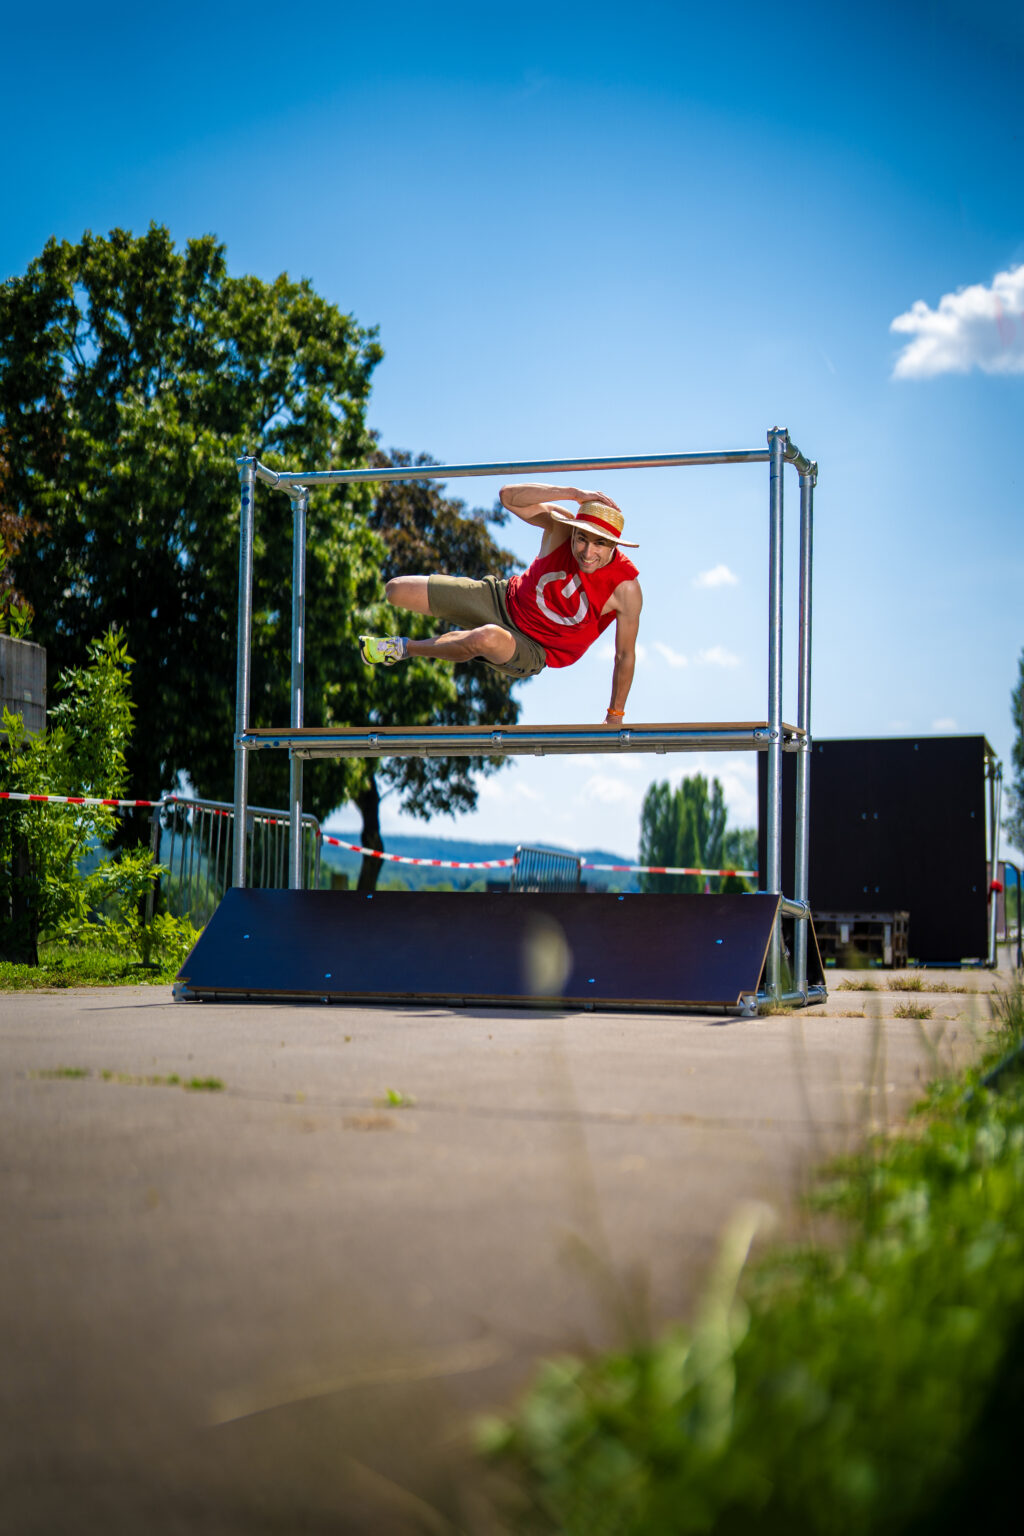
x=869, y=1386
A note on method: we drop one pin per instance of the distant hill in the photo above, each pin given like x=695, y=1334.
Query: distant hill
x=463, y=851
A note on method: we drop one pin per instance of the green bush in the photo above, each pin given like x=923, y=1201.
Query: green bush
x=44, y=890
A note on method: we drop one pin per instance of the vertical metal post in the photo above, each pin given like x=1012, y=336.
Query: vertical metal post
x=154, y=850
x=300, y=503
x=181, y=824
x=995, y=772
x=218, y=878
x=803, y=720
x=243, y=672
x=777, y=439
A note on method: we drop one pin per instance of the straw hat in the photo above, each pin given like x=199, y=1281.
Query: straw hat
x=596, y=518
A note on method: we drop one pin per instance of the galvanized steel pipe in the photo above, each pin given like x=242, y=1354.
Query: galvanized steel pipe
x=777, y=438
x=287, y=481
x=803, y=762
x=298, y=485
x=243, y=667
x=300, y=504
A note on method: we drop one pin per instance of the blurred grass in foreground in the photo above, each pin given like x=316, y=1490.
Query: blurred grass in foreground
x=876, y=1385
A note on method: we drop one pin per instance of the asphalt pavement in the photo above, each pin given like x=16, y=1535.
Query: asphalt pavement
x=264, y=1264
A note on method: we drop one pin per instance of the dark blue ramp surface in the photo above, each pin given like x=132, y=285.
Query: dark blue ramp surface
x=460, y=947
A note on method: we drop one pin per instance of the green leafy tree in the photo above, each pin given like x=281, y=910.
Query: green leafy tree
x=659, y=834
x=1014, y=823
x=42, y=847
x=683, y=828
x=132, y=375
x=15, y=612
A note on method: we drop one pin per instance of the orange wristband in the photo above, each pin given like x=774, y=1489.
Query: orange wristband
x=619, y=712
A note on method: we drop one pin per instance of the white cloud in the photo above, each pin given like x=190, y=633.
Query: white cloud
x=501, y=790
x=607, y=790
x=718, y=656
x=674, y=658
x=627, y=764
x=945, y=724
x=976, y=327
x=739, y=785
x=718, y=576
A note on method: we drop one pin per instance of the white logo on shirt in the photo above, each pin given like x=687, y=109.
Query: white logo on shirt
x=567, y=592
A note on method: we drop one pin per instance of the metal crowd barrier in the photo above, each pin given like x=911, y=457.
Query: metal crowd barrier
x=194, y=839
x=540, y=869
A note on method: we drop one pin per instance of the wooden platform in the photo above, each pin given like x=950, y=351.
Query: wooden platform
x=511, y=740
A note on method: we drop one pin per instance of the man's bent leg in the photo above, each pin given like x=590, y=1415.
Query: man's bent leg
x=408, y=592
x=489, y=642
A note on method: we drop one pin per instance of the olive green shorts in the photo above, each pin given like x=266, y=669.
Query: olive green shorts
x=467, y=604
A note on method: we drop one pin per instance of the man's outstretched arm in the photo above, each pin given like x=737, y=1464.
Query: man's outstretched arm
x=533, y=502
x=628, y=601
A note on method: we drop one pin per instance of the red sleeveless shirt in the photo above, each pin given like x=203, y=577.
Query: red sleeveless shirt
x=559, y=606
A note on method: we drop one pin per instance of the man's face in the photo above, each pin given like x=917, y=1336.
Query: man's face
x=589, y=552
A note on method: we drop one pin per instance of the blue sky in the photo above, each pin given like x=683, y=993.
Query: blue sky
x=598, y=230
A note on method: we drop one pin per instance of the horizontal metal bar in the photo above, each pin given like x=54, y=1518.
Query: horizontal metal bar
x=504, y=741
x=290, y=480
x=798, y=909
x=817, y=993
x=800, y=461
x=227, y=806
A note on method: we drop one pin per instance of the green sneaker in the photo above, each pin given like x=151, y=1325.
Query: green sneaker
x=383, y=652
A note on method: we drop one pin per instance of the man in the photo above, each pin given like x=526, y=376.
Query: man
x=579, y=584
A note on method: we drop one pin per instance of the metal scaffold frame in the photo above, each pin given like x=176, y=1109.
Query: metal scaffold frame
x=772, y=736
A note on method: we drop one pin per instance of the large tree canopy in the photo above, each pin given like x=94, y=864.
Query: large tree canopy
x=132, y=375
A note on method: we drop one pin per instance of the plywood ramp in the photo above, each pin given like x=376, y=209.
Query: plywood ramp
x=575, y=951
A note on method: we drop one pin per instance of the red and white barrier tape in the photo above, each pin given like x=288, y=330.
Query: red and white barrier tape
x=374, y=853
x=11, y=794
x=653, y=869
x=401, y=858
x=669, y=869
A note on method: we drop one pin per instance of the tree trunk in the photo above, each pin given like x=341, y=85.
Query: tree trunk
x=19, y=943
x=369, y=807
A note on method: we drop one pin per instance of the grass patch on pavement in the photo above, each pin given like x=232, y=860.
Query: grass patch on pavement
x=64, y=968
x=137, y=1080
x=394, y=1098
x=873, y=1384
